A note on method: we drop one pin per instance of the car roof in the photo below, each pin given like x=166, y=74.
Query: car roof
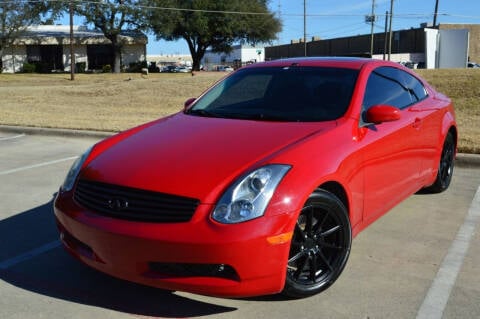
x=343, y=62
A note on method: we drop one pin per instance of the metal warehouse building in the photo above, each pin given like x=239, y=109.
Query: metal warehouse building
x=433, y=47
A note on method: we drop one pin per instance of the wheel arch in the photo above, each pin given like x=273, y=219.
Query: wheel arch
x=449, y=125
x=454, y=132
x=339, y=191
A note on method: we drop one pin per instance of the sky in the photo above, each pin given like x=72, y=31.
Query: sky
x=340, y=18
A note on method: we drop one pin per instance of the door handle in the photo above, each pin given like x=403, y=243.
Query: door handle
x=417, y=123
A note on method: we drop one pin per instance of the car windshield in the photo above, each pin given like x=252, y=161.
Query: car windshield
x=300, y=94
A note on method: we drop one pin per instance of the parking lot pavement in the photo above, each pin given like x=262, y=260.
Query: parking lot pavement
x=428, y=241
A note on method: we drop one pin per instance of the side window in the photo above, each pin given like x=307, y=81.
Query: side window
x=384, y=88
x=392, y=86
x=387, y=85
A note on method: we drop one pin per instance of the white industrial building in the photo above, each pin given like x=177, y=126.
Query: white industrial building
x=240, y=55
x=48, y=46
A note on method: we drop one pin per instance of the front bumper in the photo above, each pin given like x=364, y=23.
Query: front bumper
x=199, y=256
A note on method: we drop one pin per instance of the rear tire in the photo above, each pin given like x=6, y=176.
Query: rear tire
x=320, y=246
x=445, y=167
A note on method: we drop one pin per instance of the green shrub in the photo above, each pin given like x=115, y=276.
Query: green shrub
x=107, y=68
x=29, y=68
x=80, y=67
x=42, y=67
x=135, y=67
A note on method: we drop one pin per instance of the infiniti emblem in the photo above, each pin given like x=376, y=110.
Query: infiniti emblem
x=117, y=204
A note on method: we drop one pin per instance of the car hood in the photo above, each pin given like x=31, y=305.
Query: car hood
x=194, y=156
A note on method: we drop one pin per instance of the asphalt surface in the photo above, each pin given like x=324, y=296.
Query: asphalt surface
x=419, y=260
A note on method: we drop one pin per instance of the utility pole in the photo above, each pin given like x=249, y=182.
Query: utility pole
x=390, y=32
x=72, y=54
x=372, y=22
x=435, y=14
x=305, y=27
x=385, y=36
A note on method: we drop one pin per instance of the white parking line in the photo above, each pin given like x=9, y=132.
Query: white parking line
x=11, y=137
x=437, y=297
x=29, y=254
x=15, y=170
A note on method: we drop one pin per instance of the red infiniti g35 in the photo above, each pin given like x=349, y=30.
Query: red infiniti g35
x=259, y=185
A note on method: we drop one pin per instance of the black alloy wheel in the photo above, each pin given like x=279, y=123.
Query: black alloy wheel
x=320, y=245
x=445, y=167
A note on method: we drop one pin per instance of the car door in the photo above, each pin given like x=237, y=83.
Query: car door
x=429, y=122
x=392, y=151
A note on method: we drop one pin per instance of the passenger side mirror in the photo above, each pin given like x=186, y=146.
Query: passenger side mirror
x=188, y=102
x=382, y=113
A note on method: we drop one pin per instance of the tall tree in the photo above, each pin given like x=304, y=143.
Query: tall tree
x=112, y=17
x=17, y=16
x=213, y=24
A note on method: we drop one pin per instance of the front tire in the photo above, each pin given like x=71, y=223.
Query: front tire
x=320, y=246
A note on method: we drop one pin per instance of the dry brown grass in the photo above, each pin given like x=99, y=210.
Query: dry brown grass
x=105, y=102
x=114, y=102
x=463, y=87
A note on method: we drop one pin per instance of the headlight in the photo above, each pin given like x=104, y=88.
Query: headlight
x=249, y=196
x=73, y=172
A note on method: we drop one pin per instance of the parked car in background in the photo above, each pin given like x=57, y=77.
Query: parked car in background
x=182, y=69
x=224, y=68
x=168, y=69
x=259, y=185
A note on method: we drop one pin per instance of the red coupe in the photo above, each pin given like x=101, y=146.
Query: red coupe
x=259, y=185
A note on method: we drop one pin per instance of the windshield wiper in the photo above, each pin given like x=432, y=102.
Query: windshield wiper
x=258, y=116
x=242, y=116
x=203, y=112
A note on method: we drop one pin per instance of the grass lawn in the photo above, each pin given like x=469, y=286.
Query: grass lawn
x=114, y=102
x=463, y=87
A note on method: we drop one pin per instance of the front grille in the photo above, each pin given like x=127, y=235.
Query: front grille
x=134, y=204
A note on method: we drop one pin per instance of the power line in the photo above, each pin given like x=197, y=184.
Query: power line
x=299, y=15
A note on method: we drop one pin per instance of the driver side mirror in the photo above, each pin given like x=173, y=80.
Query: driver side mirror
x=382, y=113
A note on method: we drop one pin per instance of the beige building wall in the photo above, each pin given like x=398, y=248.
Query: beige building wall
x=474, y=47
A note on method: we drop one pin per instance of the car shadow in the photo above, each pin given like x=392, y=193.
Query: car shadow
x=52, y=272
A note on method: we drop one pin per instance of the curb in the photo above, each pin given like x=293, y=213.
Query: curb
x=54, y=131
x=462, y=159
x=468, y=160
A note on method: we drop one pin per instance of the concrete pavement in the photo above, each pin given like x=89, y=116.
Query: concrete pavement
x=393, y=265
